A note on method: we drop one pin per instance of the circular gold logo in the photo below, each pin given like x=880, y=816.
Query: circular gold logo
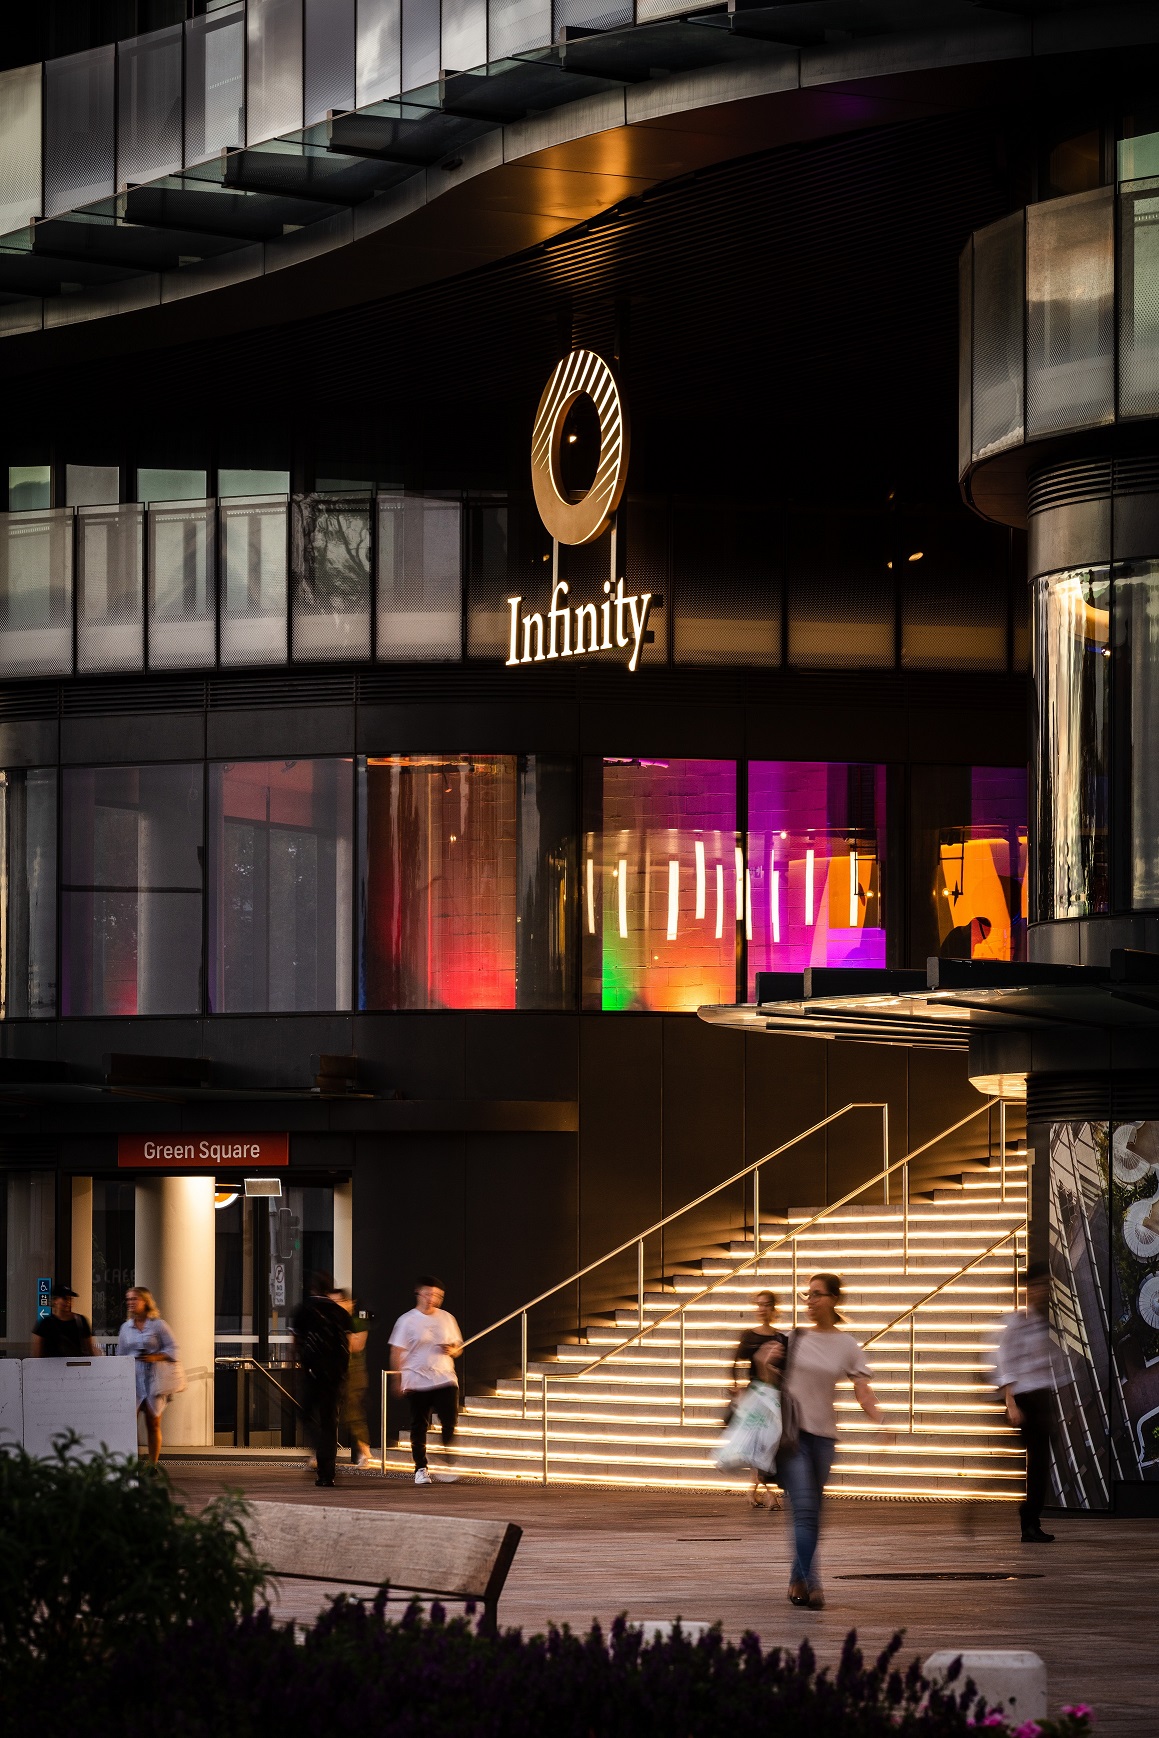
x=582, y=373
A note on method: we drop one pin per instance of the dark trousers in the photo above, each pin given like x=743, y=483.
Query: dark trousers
x=444, y=1403
x=1035, y=1432
x=320, y=1406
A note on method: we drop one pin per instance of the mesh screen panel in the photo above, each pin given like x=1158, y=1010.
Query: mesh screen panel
x=36, y=593
x=329, y=57
x=420, y=580
x=149, y=105
x=965, y=357
x=79, y=135
x=331, y=565
x=840, y=592
x=592, y=14
x=1139, y=305
x=109, y=614
x=420, y=43
x=273, y=68
x=19, y=147
x=998, y=363
x=954, y=596
x=214, y=83
x=254, y=604
x=182, y=586
x=514, y=26
x=28, y=864
x=464, y=33
x=379, y=67
x=509, y=553
x=1070, y=334
x=727, y=586
x=646, y=567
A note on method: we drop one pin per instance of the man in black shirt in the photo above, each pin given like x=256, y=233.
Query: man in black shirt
x=321, y=1330
x=63, y=1334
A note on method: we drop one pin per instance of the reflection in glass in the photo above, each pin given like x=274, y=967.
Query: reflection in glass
x=468, y=882
x=28, y=1242
x=92, y=485
x=1139, y=305
x=816, y=844
x=663, y=885
x=1136, y=664
x=36, y=593
x=110, y=625
x=1070, y=332
x=114, y=1253
x=214, y=83
x=29, y=486
x=331, y=576
x=28, y=895
x=253, y=603
x=131, y=890
x=182, y=592
x=979, y=884
x=280, y=865
x=420, y=582
x=1130, y=1152
x=1090, y=1446
x=1072, y=683
x=999, y=311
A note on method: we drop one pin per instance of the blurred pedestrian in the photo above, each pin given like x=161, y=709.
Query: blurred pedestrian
x=321, y=1330
x=818, y=1357
x=1024, y=1370
x=148, y=1339
x=63, y=1334
x=759, y=1357
x=352, y=1415
x=424, y=1344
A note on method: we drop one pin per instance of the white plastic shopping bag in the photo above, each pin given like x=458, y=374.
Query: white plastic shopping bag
x=753, y=1433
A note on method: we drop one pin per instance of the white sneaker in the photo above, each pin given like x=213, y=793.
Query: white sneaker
x=423, y=1477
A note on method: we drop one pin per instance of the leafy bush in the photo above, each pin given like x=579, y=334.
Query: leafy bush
x=96, y=1557
x=355, y=1672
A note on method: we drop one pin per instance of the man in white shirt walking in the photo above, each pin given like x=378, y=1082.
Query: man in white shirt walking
x=1024, y=1370
x=423, y=1346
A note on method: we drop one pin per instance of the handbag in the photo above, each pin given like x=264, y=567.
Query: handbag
x=753, y=1433
x=168, y=1379
x=790, y=1411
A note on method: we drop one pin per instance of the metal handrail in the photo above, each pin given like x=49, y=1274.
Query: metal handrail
x=254, y=1364
x=680, y=1309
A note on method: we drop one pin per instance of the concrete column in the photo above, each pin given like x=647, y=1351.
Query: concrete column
x=81, y=1264
x=344, y=1234
x=175, y=1259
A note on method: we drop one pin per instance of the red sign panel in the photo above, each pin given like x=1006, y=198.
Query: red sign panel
x=202, y=1152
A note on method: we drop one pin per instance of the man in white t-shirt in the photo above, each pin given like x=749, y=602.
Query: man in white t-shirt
x=424, y=1344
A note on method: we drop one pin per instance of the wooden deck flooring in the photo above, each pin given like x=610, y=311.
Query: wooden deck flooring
x=593, y=1553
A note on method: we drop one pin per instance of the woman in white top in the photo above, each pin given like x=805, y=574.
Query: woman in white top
x=145, y=1337
x=819, y=1357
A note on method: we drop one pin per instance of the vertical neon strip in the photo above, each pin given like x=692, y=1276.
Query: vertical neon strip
x=853, y=889
x=748, y=906
x=719, y=900
x=739, y=884
x=776, y=880
x=673, y=896
x=808, y=889
x=623, y=897
x=591, y=896
x=700, y=880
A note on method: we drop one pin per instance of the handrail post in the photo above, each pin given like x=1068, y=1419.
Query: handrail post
x=885, y=1150
x=240, y=1434
x=794, y=1279
x=905, y=1219
x=757, y=1212
x=640, y=1284
x=544, y=1415
x=912, y=1365
x=1014, y=1247
x=523, y=1336
x=683, y=1315
x=1002, y=1150
x=385, y=1391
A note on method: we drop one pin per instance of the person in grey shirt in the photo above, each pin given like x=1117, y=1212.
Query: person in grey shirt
x=1024, y=1370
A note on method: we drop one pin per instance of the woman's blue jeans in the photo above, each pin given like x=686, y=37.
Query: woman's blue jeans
x=803, y=1476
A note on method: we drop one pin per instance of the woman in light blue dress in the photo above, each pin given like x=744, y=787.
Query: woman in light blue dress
x=147, y=1338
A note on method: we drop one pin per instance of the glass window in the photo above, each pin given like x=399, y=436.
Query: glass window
x=114, y=1253
x=171, y=485
x=92, y=485
x=235, y=482
x=149, y=105
x=36, y=593
x=816, y=849
x=19, y=146
x=999, y=304
x=182, y=585
x=513, y=26
x=28, y=1238
x=663, y=885
x=1070, y=335
x=1139, y=305
x=79, y=130
x=420, y=582
x=329, y=57
x=254, y=626
x=1071, y=678
x=29, y=487
x=273, y=68
x=379, y=68
x=214, y=83
x=131, y=890
x=1136, y=662
x=28, y=908
x=468, y=882
x=280, y=886
x=331, y=576
x=968, y=840
x=109, y=619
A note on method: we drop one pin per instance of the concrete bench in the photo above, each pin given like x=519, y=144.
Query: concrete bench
x=448, y=1556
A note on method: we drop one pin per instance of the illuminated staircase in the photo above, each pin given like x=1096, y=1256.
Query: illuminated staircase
x=621, y=1423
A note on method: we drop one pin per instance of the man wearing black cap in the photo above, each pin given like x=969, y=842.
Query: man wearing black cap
x=63, y=1334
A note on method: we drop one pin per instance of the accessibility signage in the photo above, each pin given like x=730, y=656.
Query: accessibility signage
x=43, y=1298
x=201, y=1152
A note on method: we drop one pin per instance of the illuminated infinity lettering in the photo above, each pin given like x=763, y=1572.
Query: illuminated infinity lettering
x=582, y=374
